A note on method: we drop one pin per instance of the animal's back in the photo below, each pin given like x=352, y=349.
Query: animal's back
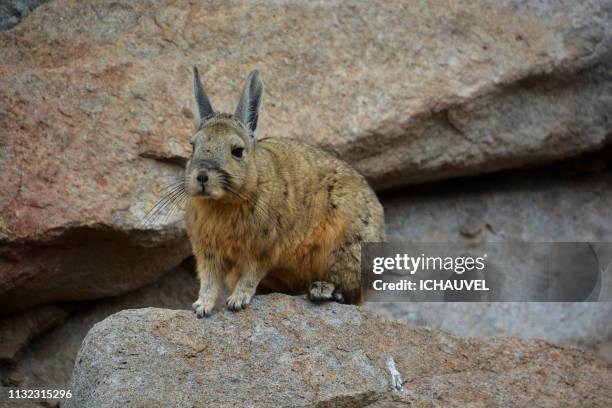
x=325, y=206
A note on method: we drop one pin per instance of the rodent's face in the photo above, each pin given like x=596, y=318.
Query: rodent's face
x=221, y=164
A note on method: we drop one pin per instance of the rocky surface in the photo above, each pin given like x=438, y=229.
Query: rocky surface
x=570, y=202
x=85, y=264
x=285, y=351
x=48, y=361
x=95, y=111
x=562, y=203
x=16, y=331
x=13, y=11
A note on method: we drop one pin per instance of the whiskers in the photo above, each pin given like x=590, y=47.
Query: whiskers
x=262, y=211
x=168, y=205
x=176, y=196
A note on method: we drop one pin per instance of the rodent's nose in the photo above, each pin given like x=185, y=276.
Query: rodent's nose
x=202, y=178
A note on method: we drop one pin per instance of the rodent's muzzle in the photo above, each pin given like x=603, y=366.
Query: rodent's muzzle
x=203, y=178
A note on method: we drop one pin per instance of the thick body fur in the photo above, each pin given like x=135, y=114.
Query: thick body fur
x=284, y=217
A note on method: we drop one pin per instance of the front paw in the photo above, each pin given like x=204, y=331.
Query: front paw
x=238, y=301
x=202, y=308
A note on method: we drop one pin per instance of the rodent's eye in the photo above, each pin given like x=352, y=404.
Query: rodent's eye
x=237, y=152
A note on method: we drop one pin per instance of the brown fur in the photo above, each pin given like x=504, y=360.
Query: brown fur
x=296, y=216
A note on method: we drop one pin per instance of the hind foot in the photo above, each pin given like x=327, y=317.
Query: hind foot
x=321, y=291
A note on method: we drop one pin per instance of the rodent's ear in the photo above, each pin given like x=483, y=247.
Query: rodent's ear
x=203, y=107
x=250, y=102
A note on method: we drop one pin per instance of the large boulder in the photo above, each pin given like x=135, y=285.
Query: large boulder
x=285, y=351
x=95, y=110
